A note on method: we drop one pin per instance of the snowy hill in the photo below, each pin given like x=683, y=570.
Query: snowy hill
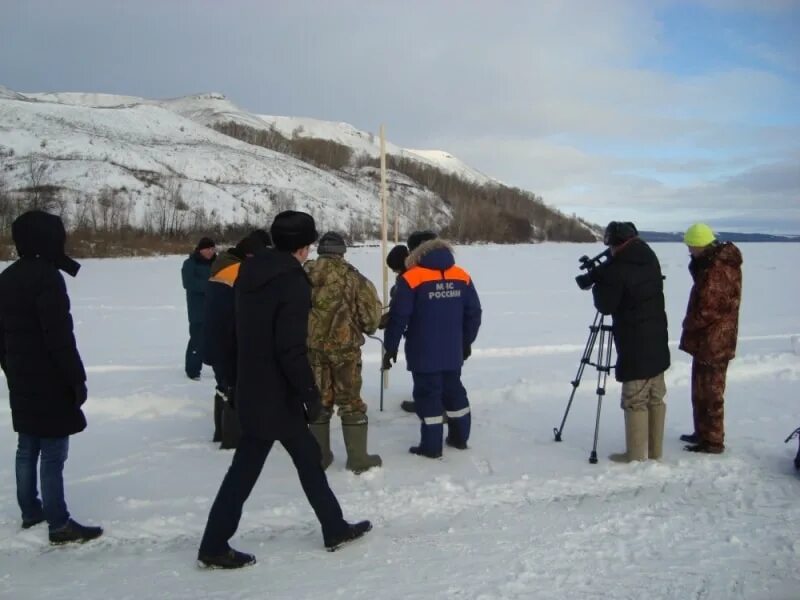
x=146, y=152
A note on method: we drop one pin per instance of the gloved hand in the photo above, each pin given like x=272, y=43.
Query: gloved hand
x=313, y=408
x=384, y=321
x=388, y=358
x=80, y=393
x=467, y=351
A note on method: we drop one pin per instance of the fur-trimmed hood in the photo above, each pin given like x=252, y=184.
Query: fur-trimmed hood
x=433, y=254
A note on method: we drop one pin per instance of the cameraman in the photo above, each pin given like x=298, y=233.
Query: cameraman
x=629, y=286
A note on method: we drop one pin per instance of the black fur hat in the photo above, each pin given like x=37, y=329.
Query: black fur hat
x=292, y=230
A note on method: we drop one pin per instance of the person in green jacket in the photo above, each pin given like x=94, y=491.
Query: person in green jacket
x=344, y=306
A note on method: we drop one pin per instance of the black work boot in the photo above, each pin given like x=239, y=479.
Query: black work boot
x=74, y=532
x=705, y=448
x=458, y=445
x=353, y=532
x=419, y=452
x=230, y=559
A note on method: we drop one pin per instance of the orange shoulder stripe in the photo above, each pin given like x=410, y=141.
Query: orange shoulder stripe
x=457, y=273
x=416, y=276
x=228, y=275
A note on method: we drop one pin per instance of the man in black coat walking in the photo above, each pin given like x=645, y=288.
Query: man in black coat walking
x=44, y=372
x=630, y=288
x=276, y=395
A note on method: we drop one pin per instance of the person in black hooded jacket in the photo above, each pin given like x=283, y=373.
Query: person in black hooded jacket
x=630, y=288
x=276, y=395
x=44, y=372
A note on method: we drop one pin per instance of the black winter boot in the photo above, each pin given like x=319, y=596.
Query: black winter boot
x=690, y=438
x=408, y=406
x=232, y=559
x=353, y=532
x=705, y=448
x=418, y=451
x=74, y=532
x=458, y=445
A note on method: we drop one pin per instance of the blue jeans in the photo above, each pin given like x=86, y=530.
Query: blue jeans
x=53, y=453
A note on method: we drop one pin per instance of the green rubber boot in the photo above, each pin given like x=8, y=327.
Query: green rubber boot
x=322, y=433
x=354, y=429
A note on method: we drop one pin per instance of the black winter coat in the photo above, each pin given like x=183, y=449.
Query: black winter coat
x=37, y=346
x=274, y=379
x=631, y=289
x=194, y=274
x=219, y=322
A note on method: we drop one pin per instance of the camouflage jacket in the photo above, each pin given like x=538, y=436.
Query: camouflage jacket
x=711, y=325
x=344, y=306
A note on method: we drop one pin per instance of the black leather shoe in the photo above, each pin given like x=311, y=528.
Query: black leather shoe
x=418, y=451
x=232, y=559
x=353, y=532
x=74, y=532
x=28, y=523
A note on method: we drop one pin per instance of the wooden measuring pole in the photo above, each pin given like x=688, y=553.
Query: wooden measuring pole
x=384, y=235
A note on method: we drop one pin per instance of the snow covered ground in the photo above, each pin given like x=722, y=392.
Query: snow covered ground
x=515, y=516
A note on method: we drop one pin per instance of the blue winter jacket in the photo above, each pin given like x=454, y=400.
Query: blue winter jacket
x=437, y=308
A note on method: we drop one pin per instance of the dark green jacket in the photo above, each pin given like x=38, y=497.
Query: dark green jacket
x=195, y=273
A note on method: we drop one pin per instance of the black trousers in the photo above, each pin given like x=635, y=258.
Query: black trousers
x=248, y=460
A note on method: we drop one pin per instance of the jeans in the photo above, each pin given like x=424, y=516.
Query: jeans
x=248, y=460
x=53, y=452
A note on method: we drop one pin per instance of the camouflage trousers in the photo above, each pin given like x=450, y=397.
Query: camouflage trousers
x=708, y=391
x=338, y=377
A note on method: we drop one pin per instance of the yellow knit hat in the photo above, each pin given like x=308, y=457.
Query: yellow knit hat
x=699, y=235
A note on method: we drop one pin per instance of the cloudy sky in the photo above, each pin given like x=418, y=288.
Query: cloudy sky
x=662, y=111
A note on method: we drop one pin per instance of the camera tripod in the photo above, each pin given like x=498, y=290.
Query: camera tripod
x=603, y=365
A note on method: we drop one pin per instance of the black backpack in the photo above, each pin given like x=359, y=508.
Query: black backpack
x=796, y=432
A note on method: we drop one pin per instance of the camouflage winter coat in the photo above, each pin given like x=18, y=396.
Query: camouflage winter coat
x=344, y=306
x=711, y=325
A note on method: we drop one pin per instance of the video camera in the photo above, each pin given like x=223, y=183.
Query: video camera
x=586, y=280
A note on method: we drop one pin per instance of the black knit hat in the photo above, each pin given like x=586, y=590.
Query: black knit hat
x=292, y=230
x=205, y=242
x=416, y=238
x=396, y=259
x=331, y=243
